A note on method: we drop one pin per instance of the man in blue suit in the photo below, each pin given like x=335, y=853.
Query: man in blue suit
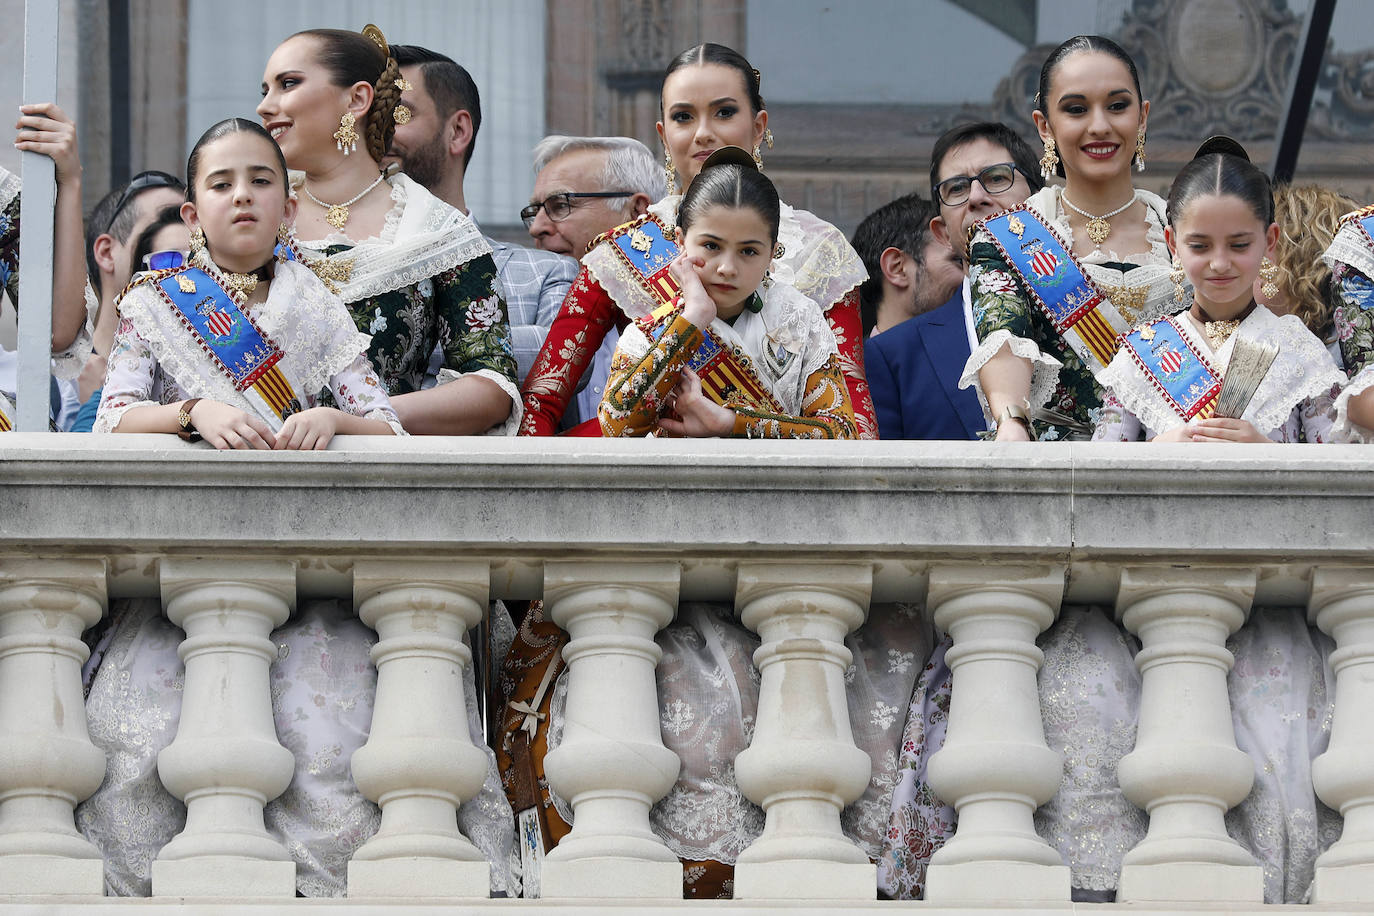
x=914, y=369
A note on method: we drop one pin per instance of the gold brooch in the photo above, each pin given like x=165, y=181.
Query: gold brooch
x=1129, y=300
x=640, y=241
x=1147, y=333
x=1016, y=226
x=334, y=272
x=186, y=283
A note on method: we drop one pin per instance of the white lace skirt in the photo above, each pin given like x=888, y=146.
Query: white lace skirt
x=322, y=691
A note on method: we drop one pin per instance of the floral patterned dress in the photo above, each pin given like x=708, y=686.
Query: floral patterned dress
x=1351, y=257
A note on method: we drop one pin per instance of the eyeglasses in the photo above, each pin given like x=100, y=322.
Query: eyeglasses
x=559, y=206
x=995, y=179
x=166, y=260
x=141, y=182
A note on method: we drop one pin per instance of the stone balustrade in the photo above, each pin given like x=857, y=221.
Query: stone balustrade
x=801, y=537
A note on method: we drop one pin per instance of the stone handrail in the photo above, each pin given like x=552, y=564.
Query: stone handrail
x=1183, y=540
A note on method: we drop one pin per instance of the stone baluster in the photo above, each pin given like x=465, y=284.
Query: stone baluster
x=1186, y=770
x=419, y=763
x=1342, y=606
x=612, y=765
x=47, y=761
x=995, y=767
x=802, y=765
x=225, y=761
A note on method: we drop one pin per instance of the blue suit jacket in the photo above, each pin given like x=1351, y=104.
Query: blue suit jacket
x=913, y=374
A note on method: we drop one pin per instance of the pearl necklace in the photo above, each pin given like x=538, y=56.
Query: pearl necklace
x=336, y=215
x=1098, y=227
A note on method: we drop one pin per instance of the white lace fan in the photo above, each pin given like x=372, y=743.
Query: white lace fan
x=1250, y=361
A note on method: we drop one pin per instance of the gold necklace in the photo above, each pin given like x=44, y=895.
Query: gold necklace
x=1219, y=331
x=240, y=283
x=336, y=215
x=1098, y=227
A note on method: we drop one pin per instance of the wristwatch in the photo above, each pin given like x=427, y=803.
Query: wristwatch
x=1014, y=412
x=188, y=431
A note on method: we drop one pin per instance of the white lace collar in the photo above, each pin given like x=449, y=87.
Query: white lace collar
x=9, y=187
x=1302, y=369
x=422, y=237
x=1048, y=202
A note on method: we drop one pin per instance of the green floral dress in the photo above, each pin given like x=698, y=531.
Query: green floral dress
x=460, y=308
x=1006, y=314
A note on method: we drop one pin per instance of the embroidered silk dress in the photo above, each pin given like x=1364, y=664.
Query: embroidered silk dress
x=785, y=343
x=1006, y=314
x=610, y=292
x=428, y=279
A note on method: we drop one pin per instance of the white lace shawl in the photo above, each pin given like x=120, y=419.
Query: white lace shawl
x=789, y=322
x=1151, y=273
x=9, y=187
x=1345, y=429
x=422, y=237
x=817, y=260
x=66, y=363
x=310, y=324
x=1303, y=369
x=1350, y=246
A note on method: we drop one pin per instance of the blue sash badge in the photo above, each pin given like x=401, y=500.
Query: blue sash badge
x=1174, y=368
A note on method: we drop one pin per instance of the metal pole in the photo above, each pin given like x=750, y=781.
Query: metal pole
x=36, y=209
x=1302, y=85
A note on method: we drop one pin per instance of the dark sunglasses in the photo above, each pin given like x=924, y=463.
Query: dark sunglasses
x=141, y=182
x=995, y=179
x=559, y=206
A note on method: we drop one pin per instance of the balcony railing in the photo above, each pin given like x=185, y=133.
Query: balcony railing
x=992, y=540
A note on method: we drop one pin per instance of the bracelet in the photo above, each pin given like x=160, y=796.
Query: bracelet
x=188, y=431
x=1014, y=412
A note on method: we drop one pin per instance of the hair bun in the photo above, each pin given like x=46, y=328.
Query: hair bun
x=730, y=155
x=1221, y=143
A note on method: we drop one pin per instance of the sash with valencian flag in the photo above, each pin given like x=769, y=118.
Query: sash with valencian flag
x=1081, y=314
x=230, y=340
x=727, y=376
x=1364, y=218
x=1174, y=368
x=647, y=250
x=6, y=425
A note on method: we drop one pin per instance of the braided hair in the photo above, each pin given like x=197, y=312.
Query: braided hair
x=351, y=57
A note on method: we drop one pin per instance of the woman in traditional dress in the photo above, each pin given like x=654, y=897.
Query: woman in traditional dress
x=710, y=99
x=1351, y=258
x=1055, y=282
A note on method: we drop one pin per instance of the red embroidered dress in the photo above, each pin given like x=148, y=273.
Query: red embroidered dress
x=624, y=277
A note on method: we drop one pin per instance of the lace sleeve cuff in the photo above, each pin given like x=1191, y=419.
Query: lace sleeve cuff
x=1044, y=368
x=67, y=364
x=112, y=411
x=517, y=408
x=1344, y=429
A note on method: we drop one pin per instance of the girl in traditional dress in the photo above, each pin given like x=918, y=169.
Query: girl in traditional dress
x=1351, y=258
x=710, y=99
x=323, y=683
x=1050, y=304
x=782, y=355
x=165, y=377
x=1164, y=385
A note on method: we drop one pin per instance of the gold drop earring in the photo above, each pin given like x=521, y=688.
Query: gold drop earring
x=1049, y=161
x=669, y=173
x=1178, y=276
x=1269, y=273
x=1140, y=151
x=197, y=241
x=346, y=138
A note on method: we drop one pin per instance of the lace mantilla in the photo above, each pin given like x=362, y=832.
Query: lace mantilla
x=422, y=237
x=1345, y=429
x=1302, y=370
x=817, y=259
x=312, y=326
x=9, y=187
x=1351, y=246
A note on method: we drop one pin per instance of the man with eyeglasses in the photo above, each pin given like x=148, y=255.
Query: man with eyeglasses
x=583, y=187
x=914, y=369
x=434, y=147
